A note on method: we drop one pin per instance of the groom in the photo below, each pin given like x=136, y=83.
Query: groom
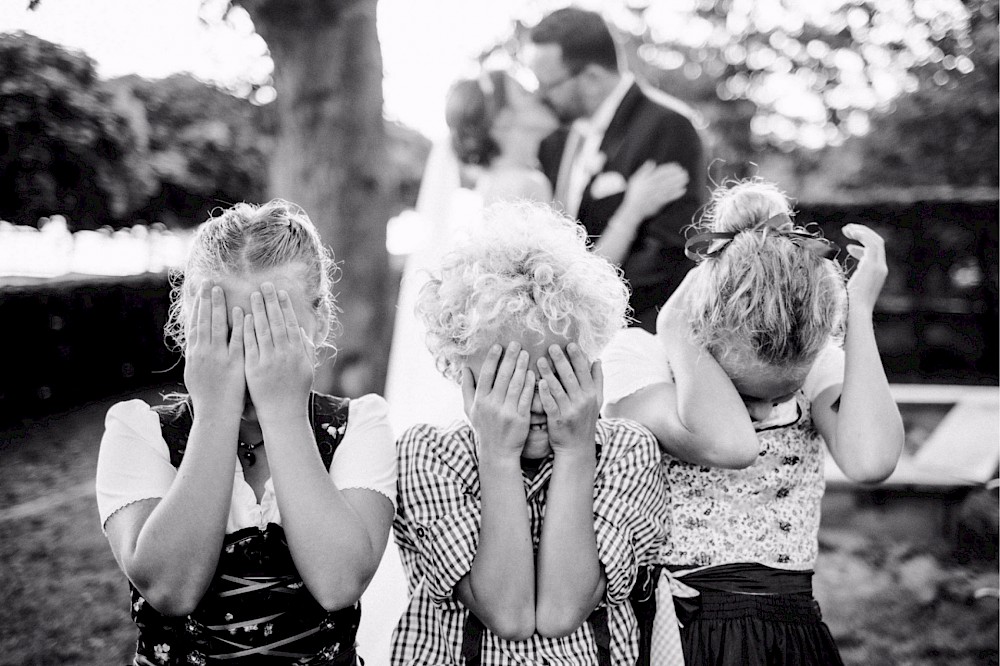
x=615, y=128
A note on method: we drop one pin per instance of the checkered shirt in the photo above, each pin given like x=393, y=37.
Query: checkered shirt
x=437, y=530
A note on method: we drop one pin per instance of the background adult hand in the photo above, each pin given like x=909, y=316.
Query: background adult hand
x=652, y=187
x=572, y=399
x=499, y=402
x=279, y=356
x=213, y=365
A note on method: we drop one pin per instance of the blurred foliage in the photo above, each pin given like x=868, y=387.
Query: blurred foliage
x=64, y=148
x=132, y=149
x=205, y=147
x=946, y=130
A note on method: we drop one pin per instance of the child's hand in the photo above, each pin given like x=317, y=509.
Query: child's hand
x=279, y=356
x=864, y=286
x=572, y=401
x=213, y=369
x=499, y=403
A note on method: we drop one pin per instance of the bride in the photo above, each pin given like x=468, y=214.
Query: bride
x=495, y=127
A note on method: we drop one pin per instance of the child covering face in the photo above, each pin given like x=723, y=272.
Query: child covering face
x=522, y=530
x=744, y=384
x=250, y=513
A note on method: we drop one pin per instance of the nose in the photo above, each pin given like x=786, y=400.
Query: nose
x=759, y=410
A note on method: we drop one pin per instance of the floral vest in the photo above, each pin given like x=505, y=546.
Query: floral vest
x=256, y=608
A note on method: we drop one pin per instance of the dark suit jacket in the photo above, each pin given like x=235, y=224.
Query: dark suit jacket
x=643, y=129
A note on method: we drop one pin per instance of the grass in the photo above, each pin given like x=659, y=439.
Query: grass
x=64, y=601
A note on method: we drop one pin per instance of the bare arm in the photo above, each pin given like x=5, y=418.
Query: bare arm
x=701, y=418
x=169, y=547
x=865, y=436
x=500, y=586
x=322, y=523
x=571, y=581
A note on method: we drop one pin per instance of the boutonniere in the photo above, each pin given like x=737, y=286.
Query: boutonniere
x=608, y=184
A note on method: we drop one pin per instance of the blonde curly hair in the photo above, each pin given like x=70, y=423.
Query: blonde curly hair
x=525, y=267
x=763, y=293
x=248, y=238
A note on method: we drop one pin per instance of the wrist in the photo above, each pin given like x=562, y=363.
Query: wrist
x=281, y=416
x=582, y=450
x=626, y=218
x=492, y=461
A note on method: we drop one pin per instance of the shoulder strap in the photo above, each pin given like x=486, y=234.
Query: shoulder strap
x=175, y=426
x=328, y=415
x=329, y=421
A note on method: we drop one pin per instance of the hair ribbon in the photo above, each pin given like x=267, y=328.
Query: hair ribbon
x=710, y=243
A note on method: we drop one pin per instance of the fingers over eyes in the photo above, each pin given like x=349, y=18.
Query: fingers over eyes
x=275, y=319
x=261, y=327
x=292, y=329
x=220, y=325
x=489, y=370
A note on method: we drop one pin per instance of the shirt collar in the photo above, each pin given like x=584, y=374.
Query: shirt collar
x=599, y=121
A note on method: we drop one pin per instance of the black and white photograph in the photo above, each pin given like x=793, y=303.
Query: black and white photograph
x=499, y=332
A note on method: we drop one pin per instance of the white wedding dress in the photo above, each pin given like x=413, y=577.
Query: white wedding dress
x=415, y=390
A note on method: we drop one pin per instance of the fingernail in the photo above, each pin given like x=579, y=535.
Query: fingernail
x=267, y=286
x=572, y=347
x=495, y=348
x=283, y=295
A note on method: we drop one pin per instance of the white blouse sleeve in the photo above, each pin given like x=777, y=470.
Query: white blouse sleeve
x=827, y=371
x=633, y=360
x=133, y=463
x=366, y=457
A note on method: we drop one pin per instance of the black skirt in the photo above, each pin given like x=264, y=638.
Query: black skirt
x=753, y=615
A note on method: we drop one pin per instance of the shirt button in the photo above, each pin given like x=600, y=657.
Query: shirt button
x=421, y=532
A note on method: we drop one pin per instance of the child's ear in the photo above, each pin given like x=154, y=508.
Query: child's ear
x=323, y=329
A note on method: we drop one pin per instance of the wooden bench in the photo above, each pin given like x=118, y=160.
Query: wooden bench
x=963, y=450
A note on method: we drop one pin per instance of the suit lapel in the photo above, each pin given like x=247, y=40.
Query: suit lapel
x=615, y=138
x=617, y=133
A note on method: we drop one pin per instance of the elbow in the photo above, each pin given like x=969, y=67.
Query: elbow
x=731, y=451
x=171, y=601
x=739, y=458
x=512, y=626
x=558, y=625
x=170, y=597
x=342, y=595
x=871, y=474
x=334, y=602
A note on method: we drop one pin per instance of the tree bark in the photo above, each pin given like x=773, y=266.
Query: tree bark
x=330, y=158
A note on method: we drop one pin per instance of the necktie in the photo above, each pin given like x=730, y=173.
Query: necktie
x=574, y=144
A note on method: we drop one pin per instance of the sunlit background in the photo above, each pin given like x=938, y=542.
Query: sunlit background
x=785, y=75
x=776, y=53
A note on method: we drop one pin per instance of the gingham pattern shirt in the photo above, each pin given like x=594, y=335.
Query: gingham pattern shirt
x=437, y=530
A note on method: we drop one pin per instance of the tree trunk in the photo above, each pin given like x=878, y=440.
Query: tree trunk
x=330, y=158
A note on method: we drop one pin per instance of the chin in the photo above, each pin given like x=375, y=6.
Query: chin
x=536, y=446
